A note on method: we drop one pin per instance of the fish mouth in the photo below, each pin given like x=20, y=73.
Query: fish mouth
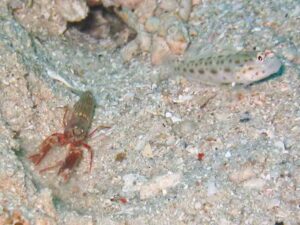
x=272, y=65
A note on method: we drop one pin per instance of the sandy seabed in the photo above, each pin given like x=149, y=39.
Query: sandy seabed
x=176, y=153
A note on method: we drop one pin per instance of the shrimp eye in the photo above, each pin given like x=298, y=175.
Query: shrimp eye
x=260, y=58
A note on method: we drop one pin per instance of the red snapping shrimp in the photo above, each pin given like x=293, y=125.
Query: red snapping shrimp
x=77, y=123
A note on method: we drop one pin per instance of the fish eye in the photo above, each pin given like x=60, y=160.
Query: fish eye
x=260, y=58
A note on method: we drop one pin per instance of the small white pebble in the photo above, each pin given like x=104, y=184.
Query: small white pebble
x=147, y=152
x=183, y=98
x=174, y=119
x=168, y=114
x=211, y=188
x=228, y=154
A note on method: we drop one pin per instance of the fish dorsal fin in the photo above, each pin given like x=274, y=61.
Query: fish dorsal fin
x=208, y=51
x=196, y=52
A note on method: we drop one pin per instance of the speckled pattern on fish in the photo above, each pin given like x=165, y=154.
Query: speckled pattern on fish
x=238, y=68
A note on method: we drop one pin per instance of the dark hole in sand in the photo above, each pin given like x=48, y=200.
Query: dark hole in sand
x=103, y=23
